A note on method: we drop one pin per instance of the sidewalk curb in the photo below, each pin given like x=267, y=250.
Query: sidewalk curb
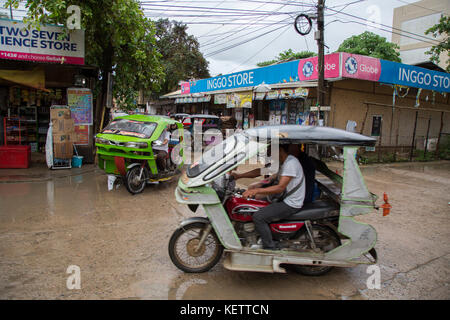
x=47, y=178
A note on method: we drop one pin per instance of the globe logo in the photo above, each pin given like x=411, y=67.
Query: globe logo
x=308, y=69
x=351, y=65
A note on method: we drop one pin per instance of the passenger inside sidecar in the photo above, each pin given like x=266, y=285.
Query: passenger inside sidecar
x=312, y=207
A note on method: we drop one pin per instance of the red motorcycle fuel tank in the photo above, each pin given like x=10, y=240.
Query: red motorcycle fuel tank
x=240, y=209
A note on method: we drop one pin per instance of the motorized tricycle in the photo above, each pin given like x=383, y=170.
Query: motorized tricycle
x=205, y=126
x=321, y=235
x=125, y=150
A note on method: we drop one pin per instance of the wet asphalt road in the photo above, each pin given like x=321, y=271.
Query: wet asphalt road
x=120, y=243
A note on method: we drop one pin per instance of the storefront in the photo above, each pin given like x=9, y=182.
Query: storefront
x=401, y=105
x=278, y=104
x=40, y=69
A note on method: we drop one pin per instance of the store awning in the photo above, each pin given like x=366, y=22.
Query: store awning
x=291, y=85
x=172, y=95
x=29, y=78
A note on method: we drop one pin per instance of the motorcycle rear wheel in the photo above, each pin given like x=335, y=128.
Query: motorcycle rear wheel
x=326, y=240
x=184, y=254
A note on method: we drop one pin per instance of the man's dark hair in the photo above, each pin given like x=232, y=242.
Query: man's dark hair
x=285, y=147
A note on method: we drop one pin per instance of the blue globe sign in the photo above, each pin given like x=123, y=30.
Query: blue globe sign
x=351, y=65
x=308, y=69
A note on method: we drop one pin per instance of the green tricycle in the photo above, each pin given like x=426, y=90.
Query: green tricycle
x=140, y=149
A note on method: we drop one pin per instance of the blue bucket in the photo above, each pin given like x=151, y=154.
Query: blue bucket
x=77, y=161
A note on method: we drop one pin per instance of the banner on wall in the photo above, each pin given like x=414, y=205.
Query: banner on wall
x=286, y=93
x=220, y=99
x=301, y=92
x=308, y=69
x=360, y=67
x=80, y=102
x=259, y=96
x=272, y=95
x=411, y=76
x=240, y=99
x=47, y=44
x=185, y=88
x=82, y=134
x=373, y=69
x=337, y=65
x=292, y=71
x=205, y=98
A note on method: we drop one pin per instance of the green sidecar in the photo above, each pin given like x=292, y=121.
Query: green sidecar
x=125, y=150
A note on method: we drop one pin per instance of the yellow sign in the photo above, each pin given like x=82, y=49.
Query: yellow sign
x=301, y=92
x=240, y=99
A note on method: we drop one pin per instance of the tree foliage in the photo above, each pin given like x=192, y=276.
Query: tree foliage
x=118, y=37
x=440, y=29
x=287, y=55
x=371, y=44
x=182, y=59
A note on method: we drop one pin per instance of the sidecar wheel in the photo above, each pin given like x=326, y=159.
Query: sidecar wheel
x=183, y=252
x=133, y=184
x=326, y=240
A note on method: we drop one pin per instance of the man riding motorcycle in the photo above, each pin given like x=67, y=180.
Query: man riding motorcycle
x=162, y=149
x=291, y=187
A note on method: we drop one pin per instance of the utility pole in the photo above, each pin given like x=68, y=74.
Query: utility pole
x=321, y=60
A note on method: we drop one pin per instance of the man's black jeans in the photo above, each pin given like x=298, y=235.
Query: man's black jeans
x=273, y=212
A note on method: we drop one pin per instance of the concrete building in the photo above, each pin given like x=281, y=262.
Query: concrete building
x=400, y=118
x=410, y=22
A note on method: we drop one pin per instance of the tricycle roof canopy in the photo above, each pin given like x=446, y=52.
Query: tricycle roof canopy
x=205, y=116
x=311, y=134
x=148, y=118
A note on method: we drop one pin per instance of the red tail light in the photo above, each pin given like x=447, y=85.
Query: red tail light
x=386, y=206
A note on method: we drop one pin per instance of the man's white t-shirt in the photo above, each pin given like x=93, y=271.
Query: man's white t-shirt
x=165, y=147
x=292, y=168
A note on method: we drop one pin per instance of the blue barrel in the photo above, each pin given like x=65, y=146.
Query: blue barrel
x=77, y=161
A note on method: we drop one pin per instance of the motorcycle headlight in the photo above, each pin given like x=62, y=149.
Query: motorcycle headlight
x=101, y=140
x=137, y=145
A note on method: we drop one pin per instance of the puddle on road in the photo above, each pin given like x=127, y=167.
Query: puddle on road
x=222, y=284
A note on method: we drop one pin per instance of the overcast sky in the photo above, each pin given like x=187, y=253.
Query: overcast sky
x=264, y=28
x=214, y=38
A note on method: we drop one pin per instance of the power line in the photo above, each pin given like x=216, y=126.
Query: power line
x=259, y=51
x=382, y=29
x=206, y=35
x=230, y=23
x=392, y=28
x=344, y=6
x=195, y=8
x=291, y=3
x=240, y=43
x=243, y=34
x=241, y=29
x=215, y=7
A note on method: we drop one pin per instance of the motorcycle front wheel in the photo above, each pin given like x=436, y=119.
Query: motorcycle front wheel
x=135, y=181
x=185, y=252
